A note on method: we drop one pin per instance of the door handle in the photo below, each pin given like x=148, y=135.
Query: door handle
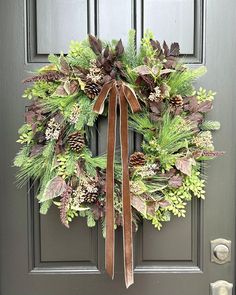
x=221, y=288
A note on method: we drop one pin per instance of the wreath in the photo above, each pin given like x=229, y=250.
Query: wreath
x=165, y=111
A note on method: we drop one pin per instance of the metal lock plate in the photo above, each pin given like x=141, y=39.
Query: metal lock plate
x=220, y=251
x=221, y=288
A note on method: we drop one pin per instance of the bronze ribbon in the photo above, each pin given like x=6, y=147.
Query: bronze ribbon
x=118, y=90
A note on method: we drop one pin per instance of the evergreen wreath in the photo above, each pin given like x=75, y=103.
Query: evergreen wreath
x=59, y=123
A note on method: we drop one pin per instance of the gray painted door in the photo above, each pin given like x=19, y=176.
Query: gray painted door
x=38, y=255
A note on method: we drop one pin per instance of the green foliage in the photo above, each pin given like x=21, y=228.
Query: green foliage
x=87, y=116
x=177, y=198
x=66, y=164
x=91, y=222
x=44, y=206
x=203, y=95
x=71, y=214
x=39, y=166
x=141, y=123
x=146, y=49
x=92, y=163
x=54, y=59
x=159, y=217
x=40, y=89
x=181, y=82
x=80, y=54
x=173, y=135
x=130, y=58
x=54, y=104
x=26, y=134
x=210, y=125
x=22, y=157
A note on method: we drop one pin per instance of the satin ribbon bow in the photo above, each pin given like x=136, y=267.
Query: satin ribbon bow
x=126, y=96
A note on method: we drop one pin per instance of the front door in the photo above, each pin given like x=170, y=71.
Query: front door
x=40, y=256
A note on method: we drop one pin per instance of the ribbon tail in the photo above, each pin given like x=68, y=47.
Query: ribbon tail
x=111, y=137
x=99, y=104
x=132, y=99
x=127, y=214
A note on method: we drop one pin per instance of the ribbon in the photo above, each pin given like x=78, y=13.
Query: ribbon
x=126, y=96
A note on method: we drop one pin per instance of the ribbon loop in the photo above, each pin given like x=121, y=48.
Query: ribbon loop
x=116, y=89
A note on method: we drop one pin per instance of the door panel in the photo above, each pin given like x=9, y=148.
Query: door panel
x=40, y=256
x=54, y=21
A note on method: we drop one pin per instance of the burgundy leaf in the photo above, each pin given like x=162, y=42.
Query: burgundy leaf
x=71, y=87
x=106, y=52
x=59, y=118
x=171, y=62
x=119, y=48
x=95, y=44
x=148, y=81
x=36, y=150
x=205, y=107
x=151, y=207
x=59, y=148
x=106, y=79
x=174, y=49
x=166, y=71
x=56, y=187
x=154, y=117
x=60, y=91
x=64, y=66
x=138, y=203
x=163, y=203
x=176, y=181
x=191, y=105
x=166, y=49
x=195, y=118
x=29, y=117
x=184, y=165
x=156, y=106
x=39, y=136
x=156, y=45
x=142, y=70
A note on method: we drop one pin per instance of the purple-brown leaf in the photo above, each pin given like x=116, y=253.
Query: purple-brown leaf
x=64, y=66
x=119, y=48
x=205, y=107
x=166, y=49
x=36, y=150
x=143, y=70
x=176, y=181
x=156, y=45
x=55, y=188
x=71, y=87
x=174, y=49
x=184, y=165
x=60, y=91
x=95, y=44
x=139, y=204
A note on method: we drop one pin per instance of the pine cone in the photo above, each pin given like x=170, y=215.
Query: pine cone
x=76, y=141
x=137, y=159
x=177, y=101
x=90, y=198
x=91, y=89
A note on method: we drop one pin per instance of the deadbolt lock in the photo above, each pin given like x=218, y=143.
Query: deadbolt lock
x=220, y=251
